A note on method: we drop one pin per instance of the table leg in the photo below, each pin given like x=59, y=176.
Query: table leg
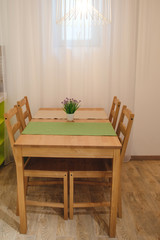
x=20, y=189
x=114, y=196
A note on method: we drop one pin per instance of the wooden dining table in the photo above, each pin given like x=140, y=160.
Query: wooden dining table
x=65, y=146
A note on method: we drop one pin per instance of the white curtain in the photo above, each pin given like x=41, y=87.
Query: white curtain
x=47, y=65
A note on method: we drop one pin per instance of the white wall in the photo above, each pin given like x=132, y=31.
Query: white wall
x=146, y=130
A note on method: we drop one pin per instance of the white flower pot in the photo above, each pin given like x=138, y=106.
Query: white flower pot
x=70, y=117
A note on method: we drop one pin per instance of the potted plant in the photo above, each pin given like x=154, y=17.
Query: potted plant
x=70, y=105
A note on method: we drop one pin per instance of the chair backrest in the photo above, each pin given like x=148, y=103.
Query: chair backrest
x=24, y=113
x=124, y=128
x=12, y=129
x=114, y=111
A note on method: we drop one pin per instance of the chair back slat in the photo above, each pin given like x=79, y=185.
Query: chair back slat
x=12, y=128
x=127, y=113
x=22, y=102
x=16, y=127
x=114, y=111
x=24, y=114
x=112, y=114
x=124, y=129
x=11, y=113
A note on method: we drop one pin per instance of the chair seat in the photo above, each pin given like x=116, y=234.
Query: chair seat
x=47, y=164
x=91, y=165
x=87, y=164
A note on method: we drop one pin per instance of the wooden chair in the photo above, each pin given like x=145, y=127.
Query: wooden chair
x=39, y=168
x=101, y=168
x=114, y=111
x=24, y=113
x=123, y=133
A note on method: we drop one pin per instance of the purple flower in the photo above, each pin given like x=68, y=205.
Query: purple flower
x=70, y=105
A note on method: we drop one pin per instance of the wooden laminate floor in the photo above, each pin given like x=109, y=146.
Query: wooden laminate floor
x=141, y=208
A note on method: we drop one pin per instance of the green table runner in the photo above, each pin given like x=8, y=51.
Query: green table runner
x=69, y=128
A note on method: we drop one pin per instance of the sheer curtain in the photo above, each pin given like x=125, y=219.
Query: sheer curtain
x=48, y=62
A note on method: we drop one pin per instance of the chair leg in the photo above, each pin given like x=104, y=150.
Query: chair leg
x=17, y=207
x=26, y=184
x=65, y=189
x=71, y=195
x=119, y=206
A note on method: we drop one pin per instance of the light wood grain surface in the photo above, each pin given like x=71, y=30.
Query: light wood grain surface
x=70, y=141
x=81, y=113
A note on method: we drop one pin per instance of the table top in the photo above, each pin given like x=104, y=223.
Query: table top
x=81, y=113
x=69, y=141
